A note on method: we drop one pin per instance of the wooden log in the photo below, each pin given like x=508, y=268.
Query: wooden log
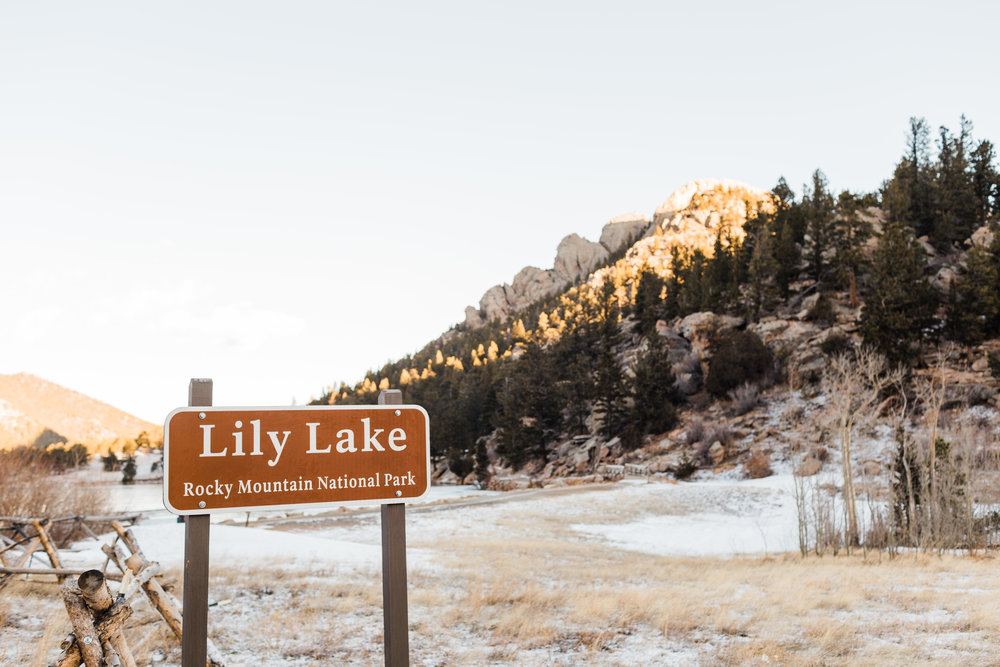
x=24, y=560
x=50, y=549
x=90, y=533
x=163, y=602
x=116, y=556
x=128, y=537
x=158, y=597
x=112, y=621
x=88, y=643
x=97, y=595
x=132, y=583
x=19, y=542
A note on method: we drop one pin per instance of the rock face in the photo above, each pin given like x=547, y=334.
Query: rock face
x=702, y=328
x=624, y=231
x=576, y=258
x=691, y=217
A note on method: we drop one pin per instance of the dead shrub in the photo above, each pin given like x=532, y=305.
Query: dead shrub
x=695, y=431
x=719, y=432
x=31, y=488
x=759, y=465
x=744, y=398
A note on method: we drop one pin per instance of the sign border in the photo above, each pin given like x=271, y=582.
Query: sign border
x=295, y=408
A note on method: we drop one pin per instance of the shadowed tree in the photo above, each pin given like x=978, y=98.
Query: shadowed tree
x=899, y=311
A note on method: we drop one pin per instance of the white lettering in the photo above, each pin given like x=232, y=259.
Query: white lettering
x=239, y=440
x=206, y=449
x=278, y=447
x=370, y=438
x=346, y=442
x=256, y=438
x=312, y=441
x=397, y=434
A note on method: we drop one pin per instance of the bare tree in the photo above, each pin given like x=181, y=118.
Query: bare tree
x=853, y=384
x=930, y=393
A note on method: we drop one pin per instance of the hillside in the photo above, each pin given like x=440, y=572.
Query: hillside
x=29, y=405
x=726, y=300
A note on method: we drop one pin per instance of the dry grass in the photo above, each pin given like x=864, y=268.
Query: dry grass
x=527, y=590
x=549, y=602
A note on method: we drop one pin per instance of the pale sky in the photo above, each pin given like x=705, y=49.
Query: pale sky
x=282, y=195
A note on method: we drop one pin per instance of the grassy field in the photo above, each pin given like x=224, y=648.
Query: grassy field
x=520, y=584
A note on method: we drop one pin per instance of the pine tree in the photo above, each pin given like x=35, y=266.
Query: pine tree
x=529, y=411
x=647, y=299
x=909, y=195
x=850, y=234
x=898, y=315
x=652, y=388
x=761, y=294
x=691, y=276
x=818, y=206
x=720, y=276
x=609, y=385
x=985, y=182
x=974, y=301
x=956, y=196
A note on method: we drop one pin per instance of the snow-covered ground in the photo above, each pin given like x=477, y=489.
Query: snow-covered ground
x=715, y=518
x=556, y=576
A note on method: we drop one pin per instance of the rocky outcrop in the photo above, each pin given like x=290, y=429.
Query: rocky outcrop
x=691, y=217
x=624, y=231
x=701, y=329
x=576, y=257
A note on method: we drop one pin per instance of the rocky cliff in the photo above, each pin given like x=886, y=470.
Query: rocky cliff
x=691, y=217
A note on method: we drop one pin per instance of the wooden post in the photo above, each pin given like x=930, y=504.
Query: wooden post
x=394, y=605
x=194, y=639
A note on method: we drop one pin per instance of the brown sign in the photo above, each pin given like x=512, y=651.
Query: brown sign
x=266, y=458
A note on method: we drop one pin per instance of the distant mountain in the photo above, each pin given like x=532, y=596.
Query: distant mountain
x=29, y=405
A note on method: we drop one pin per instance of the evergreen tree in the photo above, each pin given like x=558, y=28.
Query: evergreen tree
x=647, y=299
x=529, y=411
x=956, y=195
x=609, y=387
x=974, y=301
x=789, y=226
x=575, y=357
x=985, y=182
x=899, y=311
x=909, y=194
x=850, y=234
x=672, y=287
x=818, y=207
x=691, y=295
x=762, y=290
x=720, y=276
x=652, y=388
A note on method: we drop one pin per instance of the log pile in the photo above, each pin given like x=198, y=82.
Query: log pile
x=97, y=614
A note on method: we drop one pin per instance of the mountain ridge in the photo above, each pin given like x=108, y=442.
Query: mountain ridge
x=30, y=404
